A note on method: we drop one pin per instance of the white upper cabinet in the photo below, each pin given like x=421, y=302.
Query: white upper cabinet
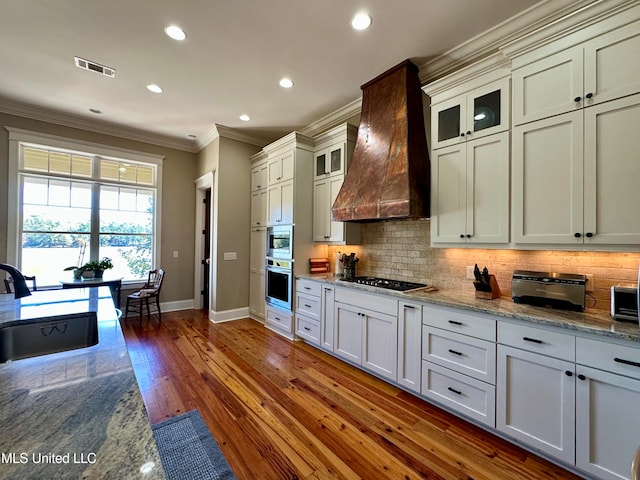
x=329, y=161
x=599, y=70
x=575, y=177
x=280, y=167
x=259, y=177
x=470, y=192
x=478, y=113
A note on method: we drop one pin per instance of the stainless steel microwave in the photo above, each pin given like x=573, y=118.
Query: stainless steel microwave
x=280, y=242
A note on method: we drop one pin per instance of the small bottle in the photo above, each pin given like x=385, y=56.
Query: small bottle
x=338, y=269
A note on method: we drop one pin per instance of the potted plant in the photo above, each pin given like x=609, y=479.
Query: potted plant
x=92, y=269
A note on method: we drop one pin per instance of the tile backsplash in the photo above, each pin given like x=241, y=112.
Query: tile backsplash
x=400, y=249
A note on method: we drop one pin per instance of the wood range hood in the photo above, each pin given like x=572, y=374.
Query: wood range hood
x=389, y=175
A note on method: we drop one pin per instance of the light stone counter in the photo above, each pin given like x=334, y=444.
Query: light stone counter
x=74, y=414
x=591, y=321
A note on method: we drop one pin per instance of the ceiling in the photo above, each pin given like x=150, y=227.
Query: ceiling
x=235, y=53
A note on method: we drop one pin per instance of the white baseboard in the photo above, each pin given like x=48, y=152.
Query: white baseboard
x=228, y=315
x=177, y=305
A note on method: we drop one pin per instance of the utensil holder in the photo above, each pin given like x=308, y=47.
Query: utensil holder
x=349, y=272
x=494, y=289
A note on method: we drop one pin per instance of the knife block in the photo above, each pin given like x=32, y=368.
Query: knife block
x=495, y=290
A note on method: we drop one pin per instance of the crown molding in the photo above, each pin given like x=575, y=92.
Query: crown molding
x=216, y=130
x=82, y=123
x=333, y=119
x=491, y=40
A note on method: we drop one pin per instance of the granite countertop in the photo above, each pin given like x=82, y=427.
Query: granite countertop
x=74, y=414
x=591, y=321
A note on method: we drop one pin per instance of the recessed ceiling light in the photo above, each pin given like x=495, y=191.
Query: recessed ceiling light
x=175, y=32
x=95, y=110
x=361, y=21
x=152, y=87
x=286, y=83
x=191, y=136
x=244, y=117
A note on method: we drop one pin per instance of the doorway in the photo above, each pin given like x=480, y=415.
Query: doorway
x=206, y=260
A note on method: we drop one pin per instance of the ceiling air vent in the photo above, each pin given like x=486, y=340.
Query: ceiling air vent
x=95, y=67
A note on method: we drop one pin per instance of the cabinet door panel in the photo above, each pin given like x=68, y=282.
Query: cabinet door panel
x=609, y=71
x=607, y=423
x=336, y=229
x=488, y=189
x=612, y=172
x=379, y=344
x=327, y=320
x=286, y=189
x=536, y=401
x=548, y=87
x=259, y=208
x=448, y=190
x=547, y=184
x=321, y=212
x=409, y=345
x=348, y=333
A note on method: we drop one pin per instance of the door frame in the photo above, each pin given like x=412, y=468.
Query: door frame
x=204, y=183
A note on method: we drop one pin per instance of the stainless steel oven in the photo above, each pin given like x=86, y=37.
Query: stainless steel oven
x=279, y=283
x=280, y=242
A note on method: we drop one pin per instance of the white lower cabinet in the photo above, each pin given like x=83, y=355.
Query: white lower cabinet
x=460, y=392
x=327, y=297
x=409, y=345
x=607, y=408
x=459, y=361
x=308, y=310
x=280, y=321
x=536, y=401
x=366, y=331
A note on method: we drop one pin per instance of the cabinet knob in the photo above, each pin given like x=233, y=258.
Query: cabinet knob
x=582, y=377
x=462, y=235
x=589, y=95
x=577, y=234
x=577, y=99
x=569, y=373
x=589, y=234
x=468, y=132
x=468, y=235
x=462, y=134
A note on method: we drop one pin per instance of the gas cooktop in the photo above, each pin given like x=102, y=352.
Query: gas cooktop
x=397, y=285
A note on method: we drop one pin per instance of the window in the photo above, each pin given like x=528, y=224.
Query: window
x=76, y=202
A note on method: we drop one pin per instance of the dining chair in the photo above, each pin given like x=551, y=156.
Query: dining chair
x=138, y=300
x=8, y=283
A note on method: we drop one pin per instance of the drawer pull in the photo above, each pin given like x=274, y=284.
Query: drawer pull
x=278, y=319
x=307, y=329
x=455, y=353
x=408, y=306
x=306, y=305
x=453, y=322
x=626, y=362
x=532, y=340
x=327, y=289
x=307, y=288
x=457, y=392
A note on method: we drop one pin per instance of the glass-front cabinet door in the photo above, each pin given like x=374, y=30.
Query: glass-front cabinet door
x=329, y=162
x=483, y=111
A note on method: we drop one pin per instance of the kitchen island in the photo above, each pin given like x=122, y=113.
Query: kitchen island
x=78, y=413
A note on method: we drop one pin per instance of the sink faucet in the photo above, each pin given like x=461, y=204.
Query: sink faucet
x=19, y=283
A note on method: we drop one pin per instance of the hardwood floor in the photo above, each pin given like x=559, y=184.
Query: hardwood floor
x=285, y=410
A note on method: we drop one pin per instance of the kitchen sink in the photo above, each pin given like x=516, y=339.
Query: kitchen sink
x=34, y=337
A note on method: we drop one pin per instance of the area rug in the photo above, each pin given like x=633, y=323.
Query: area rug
x=188, y=451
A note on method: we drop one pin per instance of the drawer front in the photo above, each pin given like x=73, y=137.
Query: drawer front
x=466, y=395
x=471, y=356
x=308, y=287
x=308, y=328
x=308, y=305
x=478, y=326
x=368, y=301
x=279, y=320
x=545, y=342
x=621, y=359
